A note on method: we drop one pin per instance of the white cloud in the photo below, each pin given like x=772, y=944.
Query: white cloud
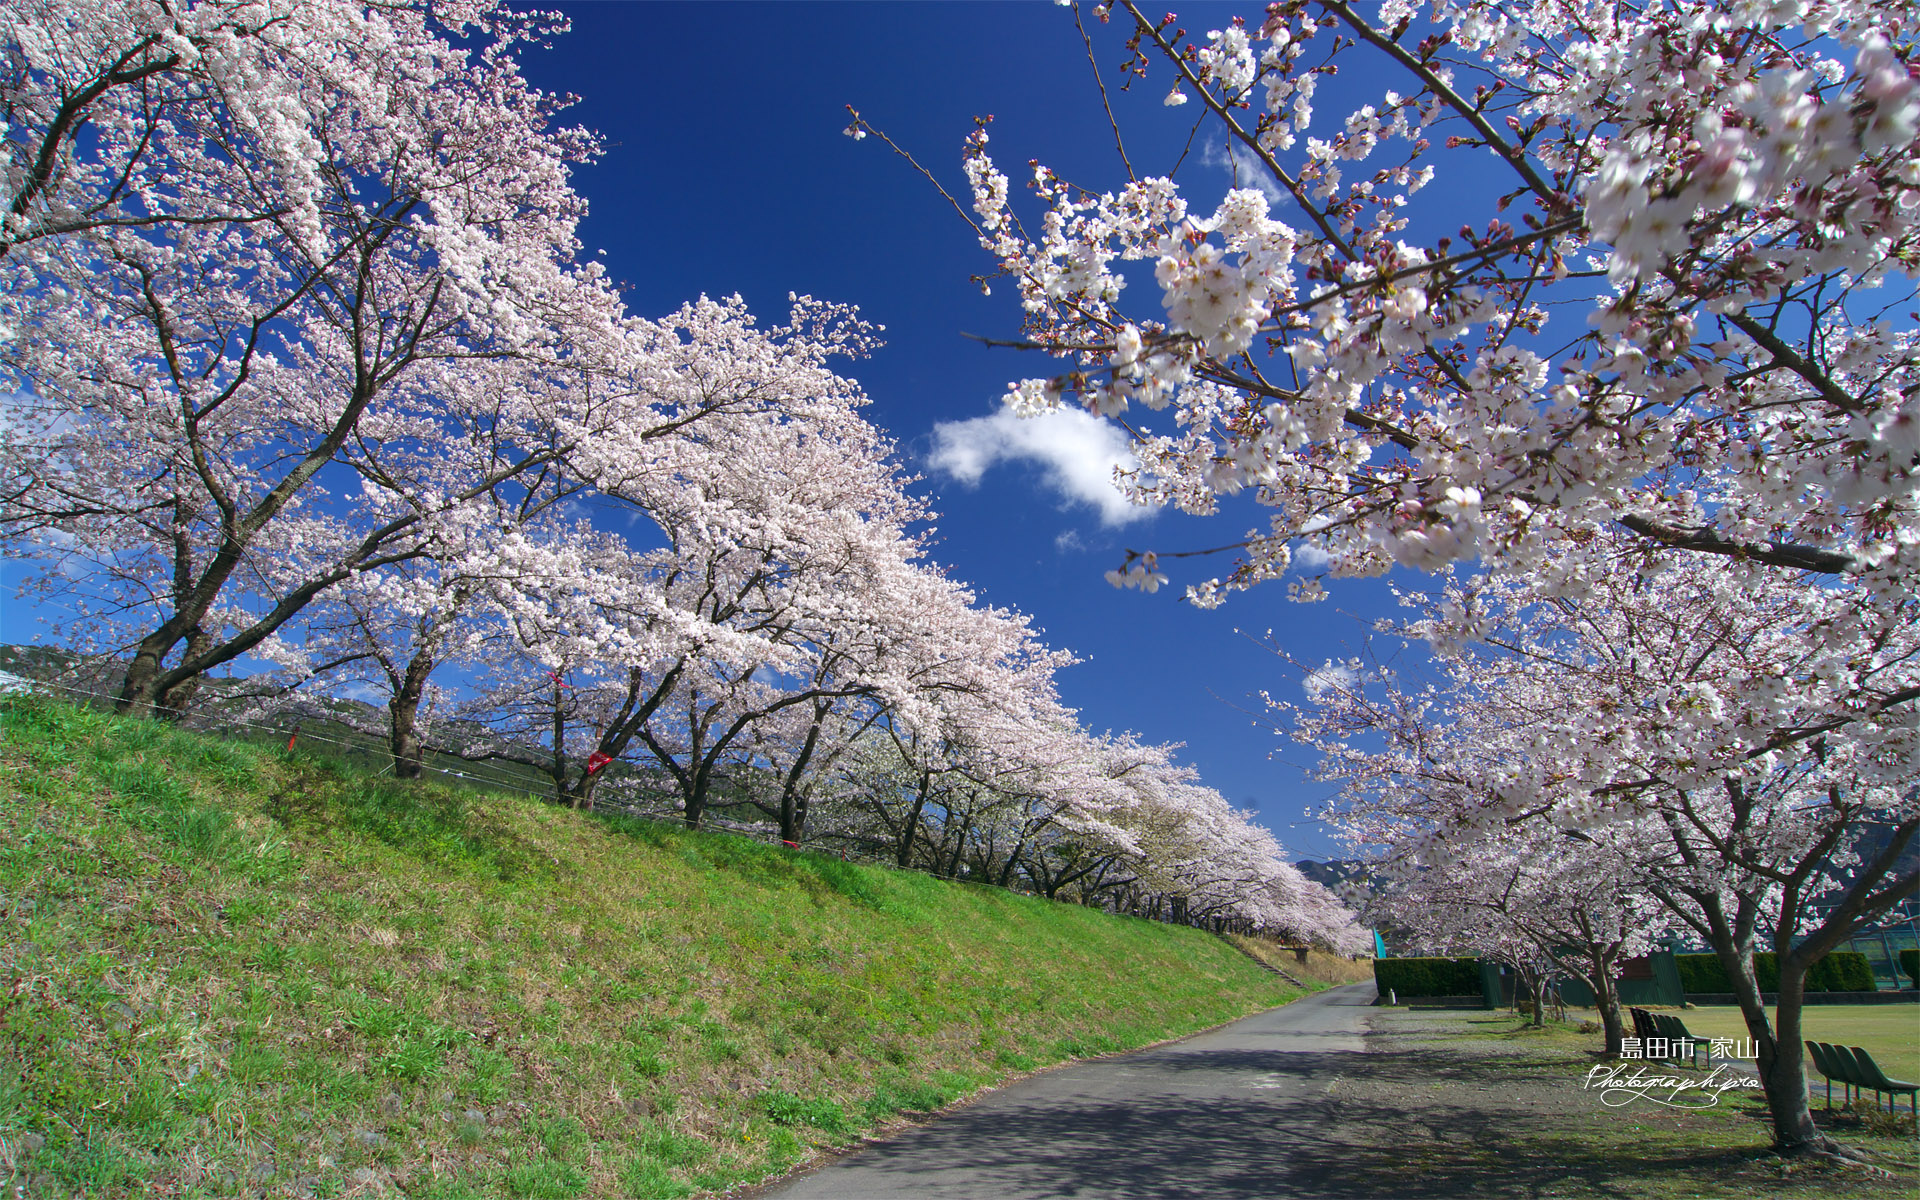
x=1308, y=556
x=1244, y=170
x=1068, y=541
x=1076, y=450
x=1330, y=677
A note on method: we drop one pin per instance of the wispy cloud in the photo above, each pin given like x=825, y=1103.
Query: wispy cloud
x=1244, y=170
x=1076, y=451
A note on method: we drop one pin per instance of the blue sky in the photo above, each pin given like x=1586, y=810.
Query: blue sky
x=726, y=170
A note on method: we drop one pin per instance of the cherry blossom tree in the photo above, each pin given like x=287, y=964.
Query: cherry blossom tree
x=389, y=638
x=387, y=632
x=1534, y=899
x=519, y=710
x=1016, y=793
x=928, y=649
x=975, y=772
x=1673, y=314
x=278, y=282
x=1711, y=730
x=788, y=544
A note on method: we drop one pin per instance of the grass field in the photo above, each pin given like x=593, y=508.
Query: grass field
x=1889, y=1032
x=232, y=969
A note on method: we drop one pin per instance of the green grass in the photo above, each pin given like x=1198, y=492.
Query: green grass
x=1889, y=1032
x=229, y=968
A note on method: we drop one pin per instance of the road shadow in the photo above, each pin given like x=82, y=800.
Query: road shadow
x=1338, y=1126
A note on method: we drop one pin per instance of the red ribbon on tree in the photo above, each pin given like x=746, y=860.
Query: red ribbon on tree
x=596, y=760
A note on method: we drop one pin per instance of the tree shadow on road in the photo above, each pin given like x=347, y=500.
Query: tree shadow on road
x=1340, y=1126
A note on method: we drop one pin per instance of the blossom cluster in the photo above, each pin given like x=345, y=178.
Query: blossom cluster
x=1718, y=188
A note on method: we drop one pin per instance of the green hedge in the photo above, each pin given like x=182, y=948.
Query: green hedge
x=1910, y=963
x=1841, y=971
x=1701, y=973
x=1427, y=976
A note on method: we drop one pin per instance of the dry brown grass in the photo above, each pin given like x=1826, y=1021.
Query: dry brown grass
x=1316, y=966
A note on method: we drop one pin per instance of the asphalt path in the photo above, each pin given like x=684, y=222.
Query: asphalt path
x=1215, y=1115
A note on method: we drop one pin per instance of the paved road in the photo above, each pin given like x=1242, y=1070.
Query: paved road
x=1211, y=1116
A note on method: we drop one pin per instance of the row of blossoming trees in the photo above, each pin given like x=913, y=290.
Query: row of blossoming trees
x=305, y=368
x=1652, y=413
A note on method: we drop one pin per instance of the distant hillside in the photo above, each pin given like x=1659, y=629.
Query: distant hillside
x=234, y=970
x=1332, y=873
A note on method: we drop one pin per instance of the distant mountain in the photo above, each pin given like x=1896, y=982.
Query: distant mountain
x=1332, y=873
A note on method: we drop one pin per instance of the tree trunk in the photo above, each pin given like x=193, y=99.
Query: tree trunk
x=1013, y=863
x=696, y=796
x=136, y=687
x=793, y=805
x=403, y=740
x=1607, y=1000
x=584, y=790
x=960, y=848
x=903, y=853
x=1606, y=997
x=1780, y=1060
x=174, y=702
x=1783, y=1071
x=403, y=712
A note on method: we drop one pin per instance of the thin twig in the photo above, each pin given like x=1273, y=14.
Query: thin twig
x=860, y=122
x=1112, y=123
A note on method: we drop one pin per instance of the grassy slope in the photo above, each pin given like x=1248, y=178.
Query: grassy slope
x=228, y=969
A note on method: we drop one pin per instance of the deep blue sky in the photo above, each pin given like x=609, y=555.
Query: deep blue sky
x=726, y=170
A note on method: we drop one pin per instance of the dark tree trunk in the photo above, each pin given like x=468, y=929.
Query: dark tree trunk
x=960, y=848
x=403, y=712
x=1610, y=1016
x=793, y=803
x=1782, y=1068
x=174, y=702
x=903, y=853
x=1013, y=863
x=137, y=686
x=403, y=741
x=1606, y=998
